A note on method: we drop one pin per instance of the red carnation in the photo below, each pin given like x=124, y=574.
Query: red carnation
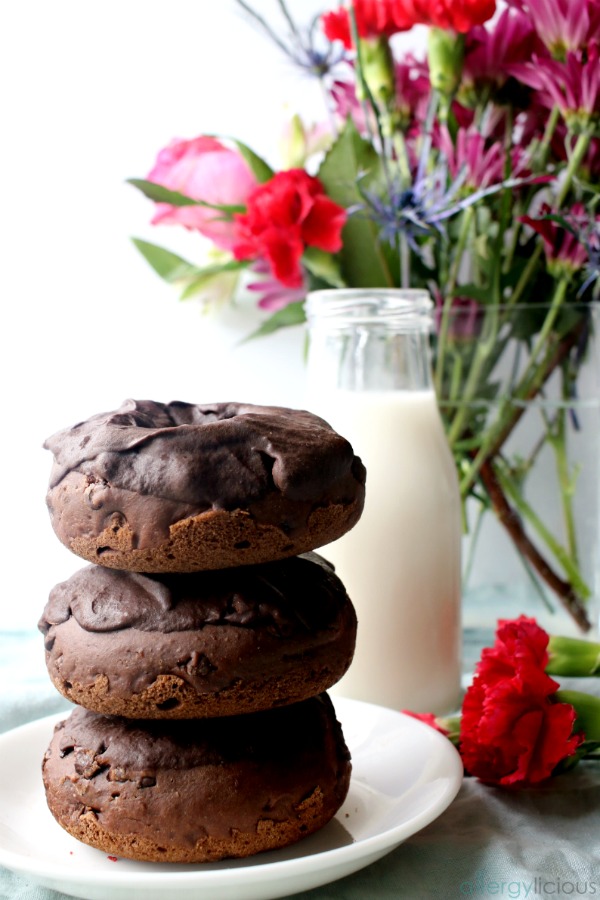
x=383, y=18
x=455, y=15
x=374, y=18
x=518, y=642
x=285, y=215
x=513, y=729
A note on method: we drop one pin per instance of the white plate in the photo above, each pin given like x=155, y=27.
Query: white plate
x=404, y=774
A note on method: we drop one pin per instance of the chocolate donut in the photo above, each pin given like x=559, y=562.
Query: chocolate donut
x=177, y=487
x=200, y=789
x=204, y=644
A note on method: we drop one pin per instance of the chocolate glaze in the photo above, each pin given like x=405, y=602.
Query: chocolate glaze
x=192, y=458
x=177, y=782
x=209, y=628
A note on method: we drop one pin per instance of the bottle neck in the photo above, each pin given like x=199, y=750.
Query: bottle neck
x=369, y=341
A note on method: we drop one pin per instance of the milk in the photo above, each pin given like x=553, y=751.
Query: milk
x=401, y=562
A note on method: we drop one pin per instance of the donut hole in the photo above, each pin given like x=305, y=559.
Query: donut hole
x=241, y=545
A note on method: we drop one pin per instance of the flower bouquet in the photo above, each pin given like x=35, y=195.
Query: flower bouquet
x=470, y=170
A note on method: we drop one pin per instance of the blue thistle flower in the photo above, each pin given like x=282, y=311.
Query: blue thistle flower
x=421, y=208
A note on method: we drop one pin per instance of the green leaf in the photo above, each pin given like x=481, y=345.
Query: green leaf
x=160, y=194
x=261, y=169
x=292, y=314
x=323, y=265
x=166, y=264
x=352, y=159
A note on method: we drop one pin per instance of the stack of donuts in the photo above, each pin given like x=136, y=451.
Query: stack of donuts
x=201, y=639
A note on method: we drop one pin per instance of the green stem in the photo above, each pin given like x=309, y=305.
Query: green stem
x=558, y=441
x=526, y=274
x=401, y=151
x=449, y=291
x=484, y=348
x=544, y=148
x=568, y=564
x=581, y=148
x=455, y=379
x=546, y=329
x=404, y=252
x=473, y=544
x=529, y=385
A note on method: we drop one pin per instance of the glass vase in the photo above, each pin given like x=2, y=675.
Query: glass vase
x=369, y=375
x=519, y=392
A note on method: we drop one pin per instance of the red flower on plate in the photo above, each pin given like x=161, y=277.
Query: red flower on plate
x=285, y=215
x=513, y=730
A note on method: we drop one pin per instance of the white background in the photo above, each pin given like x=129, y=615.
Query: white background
x=90, y=93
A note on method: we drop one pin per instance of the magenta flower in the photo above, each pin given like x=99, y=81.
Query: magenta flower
x=347, y=106
x=272, y=294
x=565, y=252
x=202, y=169
x=590, y=167
x=468, y=155
x=572, y=85
x=563, y=25
x=490, y=50
x=413, y=88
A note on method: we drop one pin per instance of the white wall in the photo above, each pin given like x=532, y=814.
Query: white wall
x=91, y=91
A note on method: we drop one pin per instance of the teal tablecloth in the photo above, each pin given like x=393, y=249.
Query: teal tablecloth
x=525, y=844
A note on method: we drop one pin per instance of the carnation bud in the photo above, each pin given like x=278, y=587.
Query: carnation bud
x=377, y=69
x=445, y=53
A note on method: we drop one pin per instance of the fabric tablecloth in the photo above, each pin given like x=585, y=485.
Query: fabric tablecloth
x=511, y=844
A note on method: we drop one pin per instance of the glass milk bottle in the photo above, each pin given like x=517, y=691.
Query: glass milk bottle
x=369, y=376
